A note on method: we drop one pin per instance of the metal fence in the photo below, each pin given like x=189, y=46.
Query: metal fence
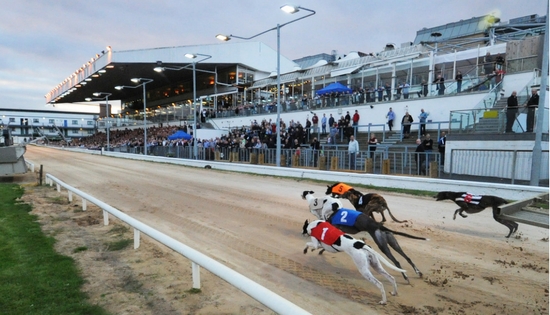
x=329, y=157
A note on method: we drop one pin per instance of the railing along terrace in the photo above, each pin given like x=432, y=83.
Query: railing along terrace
x=263, y=295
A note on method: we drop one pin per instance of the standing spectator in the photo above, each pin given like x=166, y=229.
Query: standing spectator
x=324, y=124
x=387, y=87
x=333, y=133
x=304, y=102
x=398, y=90
x=420, y=158
x=315, y=146
x=458, y=79
x=380, y=92
x=391, y=117
x=423, y=89
x=331, y=121
x=356, y=118
x=288, y=151
x=499, y=62
x=373, y=142
x=441, y=146
x=348, y=118
x=422, y=119
x=406, y=123
x=353, y=149
x=440, y=84
x=511, y=111
x=315, y=121
x=308, y=129
x=532, y=105
x=406, y=88
x=488, y=65
x=428, y=144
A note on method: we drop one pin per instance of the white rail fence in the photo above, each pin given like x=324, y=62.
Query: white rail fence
x=261, y=294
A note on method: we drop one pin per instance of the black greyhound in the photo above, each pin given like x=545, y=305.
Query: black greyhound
x=473, y=204
x=381, y=235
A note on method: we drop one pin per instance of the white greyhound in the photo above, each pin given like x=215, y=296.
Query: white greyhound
x=321, y=207
x=324, y=235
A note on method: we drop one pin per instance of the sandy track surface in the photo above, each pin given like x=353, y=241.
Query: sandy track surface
x=253, y=225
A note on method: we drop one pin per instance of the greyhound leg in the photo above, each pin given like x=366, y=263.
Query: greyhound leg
x=511, y=225
x=363, y=261
x=456, y=212
x=381, y=241
x=393, y=244
x=376, y=265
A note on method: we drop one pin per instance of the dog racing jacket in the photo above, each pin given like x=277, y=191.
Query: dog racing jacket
x=469, y=198
x=341, y=188
x=326, y=233
x=345, y=216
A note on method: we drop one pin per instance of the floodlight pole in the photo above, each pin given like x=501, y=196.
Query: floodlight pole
x=278, y=28
x=537, y=148
x=145, y=81
x=107, y=115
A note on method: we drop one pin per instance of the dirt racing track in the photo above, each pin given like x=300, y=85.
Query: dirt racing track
x=253, y=225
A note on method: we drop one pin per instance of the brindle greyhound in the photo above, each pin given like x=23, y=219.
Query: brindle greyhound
x=367, y=203
x=328, y=208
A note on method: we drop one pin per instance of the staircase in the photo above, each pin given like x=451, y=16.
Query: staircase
x=494, y=121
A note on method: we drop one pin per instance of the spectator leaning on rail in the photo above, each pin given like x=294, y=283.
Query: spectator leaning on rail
x=440, y=84
x=406, y=88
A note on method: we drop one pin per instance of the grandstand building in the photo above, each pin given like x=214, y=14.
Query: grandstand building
x=236, y=82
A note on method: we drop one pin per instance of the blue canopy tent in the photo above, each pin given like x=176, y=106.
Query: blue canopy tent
x=180, y=134
x=334, y=88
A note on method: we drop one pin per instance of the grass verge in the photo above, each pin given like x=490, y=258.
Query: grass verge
x=34, y=279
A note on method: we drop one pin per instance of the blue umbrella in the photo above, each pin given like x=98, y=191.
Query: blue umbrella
x=180, y=134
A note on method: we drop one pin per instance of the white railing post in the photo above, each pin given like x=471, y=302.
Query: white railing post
x=58, y=187
x=70, y=196
x=83, y=204
x=196, y=275
x=105, y=217
x=136, y=238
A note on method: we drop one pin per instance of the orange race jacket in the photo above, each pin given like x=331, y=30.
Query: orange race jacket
x=340, y=188
x=326, y=233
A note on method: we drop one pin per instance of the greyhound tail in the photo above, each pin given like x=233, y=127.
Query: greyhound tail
x=382, y=259
x=394, y=218
x=385, y=229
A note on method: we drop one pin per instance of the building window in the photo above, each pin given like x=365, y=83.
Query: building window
x=90, y=123
x=51, y=121
x=74, y=122
x=36, y=121
x=74, y=131
x=90, y=132
x=12, y=120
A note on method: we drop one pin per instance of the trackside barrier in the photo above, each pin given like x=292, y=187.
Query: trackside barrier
x=30, y=166
x=261, y=294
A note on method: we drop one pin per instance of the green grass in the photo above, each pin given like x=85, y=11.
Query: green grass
x=34, y=279
x=119, y=245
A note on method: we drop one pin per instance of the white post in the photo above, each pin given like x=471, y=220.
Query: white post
x=196, y=275
x=70, y=196
x=83, y=204
x=136, y=238
x=105, y=217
